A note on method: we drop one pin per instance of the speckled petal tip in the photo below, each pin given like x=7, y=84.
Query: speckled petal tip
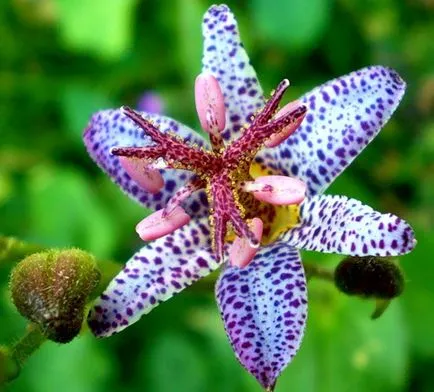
x=343, y=116
x=337, y=224
x=153, y=275
x=110, y=128
x=225, y=58
x=264, y=309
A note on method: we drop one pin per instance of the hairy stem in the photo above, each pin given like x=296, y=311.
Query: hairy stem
x=16, y=355
x=28, y=344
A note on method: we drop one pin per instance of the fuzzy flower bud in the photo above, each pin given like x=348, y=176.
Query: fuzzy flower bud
x=369, y=277
x=51, y=289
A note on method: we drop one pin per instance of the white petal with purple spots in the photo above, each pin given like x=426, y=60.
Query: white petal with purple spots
x=337, y=224
x=225, y=58
x=343, y=116
x=110, y=128
x=264, y=309
x=158, y=271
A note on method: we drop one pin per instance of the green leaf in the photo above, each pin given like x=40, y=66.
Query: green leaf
x=295, y=24
x=102, y=27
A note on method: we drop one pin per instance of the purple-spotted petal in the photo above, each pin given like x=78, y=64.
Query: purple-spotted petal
x=154, y=274
x=264, y=308
x=337, y=224
x=343, y=116
x=225, y=58
x=110, y=128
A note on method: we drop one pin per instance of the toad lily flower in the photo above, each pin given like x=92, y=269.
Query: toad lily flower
x=248, y=200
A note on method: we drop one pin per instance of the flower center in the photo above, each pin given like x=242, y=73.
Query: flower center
x=239, y=202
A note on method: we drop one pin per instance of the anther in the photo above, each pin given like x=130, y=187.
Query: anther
x=277, y=190
x=156, y=225
x=147, y=177
x=287, y=131
x=242, y=250
x=210, y=108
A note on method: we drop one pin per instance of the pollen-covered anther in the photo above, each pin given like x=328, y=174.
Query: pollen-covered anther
x=210, y=108
x=156, y=225
x=283, y=134
x=210, y=103
x=277, y=190
x=242, y=250
x=145, y=175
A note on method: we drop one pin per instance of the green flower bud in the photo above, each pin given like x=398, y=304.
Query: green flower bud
x=369, y=277
x=51, y=289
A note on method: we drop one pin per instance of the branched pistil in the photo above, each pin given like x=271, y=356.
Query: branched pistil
x=223, y=172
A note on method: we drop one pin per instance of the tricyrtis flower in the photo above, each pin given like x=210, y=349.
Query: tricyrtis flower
x=248, y=199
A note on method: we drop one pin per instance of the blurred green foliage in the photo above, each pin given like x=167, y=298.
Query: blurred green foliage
x=61, y=60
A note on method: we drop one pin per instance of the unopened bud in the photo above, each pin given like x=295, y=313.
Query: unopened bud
x=51, y=289
x=369, y=277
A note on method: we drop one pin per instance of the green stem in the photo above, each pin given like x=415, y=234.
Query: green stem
x=28, y=344
x=18, y=353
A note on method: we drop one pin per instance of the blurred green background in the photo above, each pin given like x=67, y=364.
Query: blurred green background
x=61, y=60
